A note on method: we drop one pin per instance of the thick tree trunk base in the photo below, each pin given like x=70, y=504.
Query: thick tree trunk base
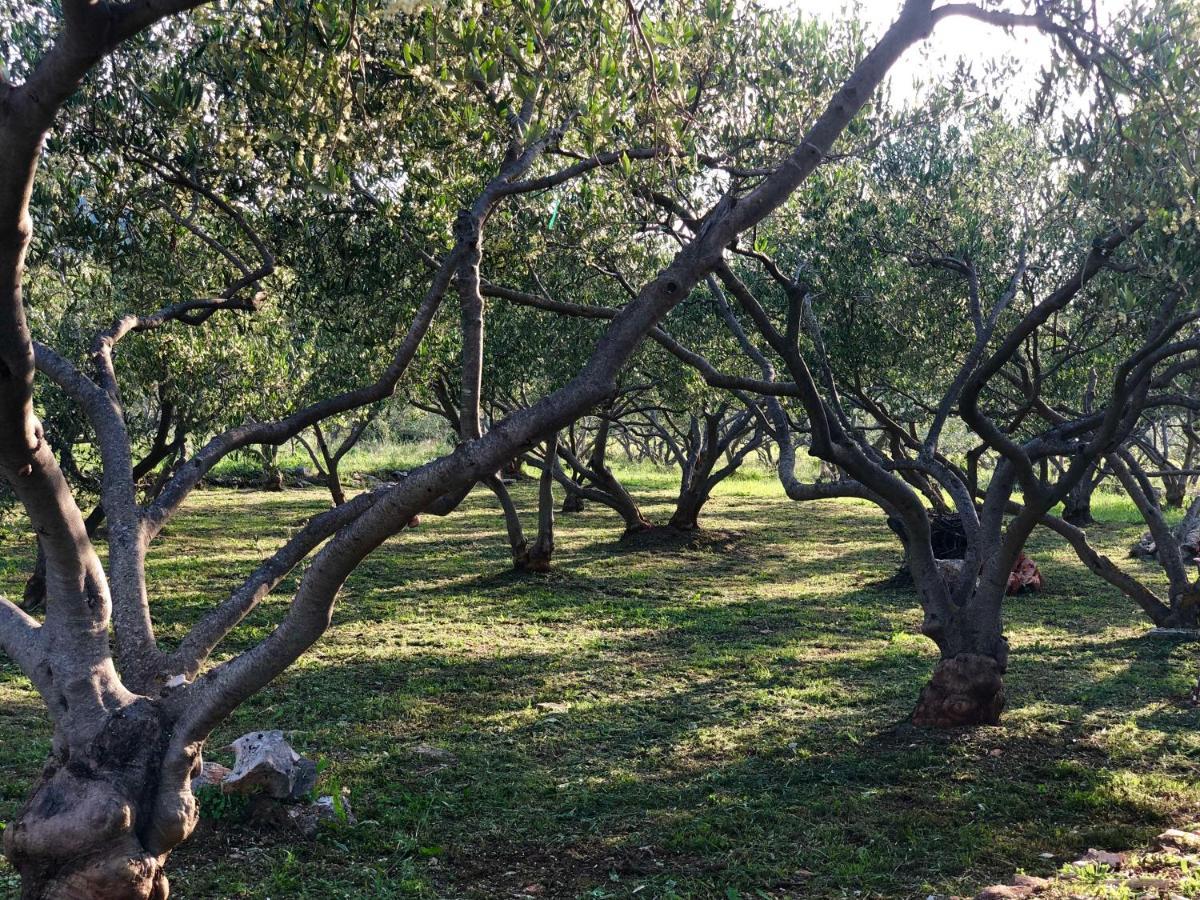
x=1077, y=507
x=686, y=516
x=1184, y=618
x=534, y=559
x=1080, y=518
x=112, y=875
x=82, y=835
x=572, y=503
x=272, y=481
x=685, y=519
x=965, y=690
x=632, y=529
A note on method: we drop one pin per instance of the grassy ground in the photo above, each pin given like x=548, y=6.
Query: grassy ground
x=366, y=458
x=727, y=721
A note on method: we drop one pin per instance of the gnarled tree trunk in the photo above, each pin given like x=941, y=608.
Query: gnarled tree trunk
x=101, y=820
x=1077, y=508
x=595, y=481
x=1175, y=490
x=691, y=500
x=705, y=446
x=573, y=502
x=966, y=689
x=967, y=684
x=617, y=497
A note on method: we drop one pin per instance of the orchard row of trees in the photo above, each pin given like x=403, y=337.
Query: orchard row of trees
x=692, y=231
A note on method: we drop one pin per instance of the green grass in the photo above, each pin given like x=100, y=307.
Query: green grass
x=363, y=459
x=736, y=722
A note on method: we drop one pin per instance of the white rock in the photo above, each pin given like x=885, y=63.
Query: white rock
x=266, y=763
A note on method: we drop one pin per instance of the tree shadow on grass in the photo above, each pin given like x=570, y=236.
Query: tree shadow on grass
x=709, y=776
x=730, y=721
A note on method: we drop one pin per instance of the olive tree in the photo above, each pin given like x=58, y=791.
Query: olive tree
x=130, y=715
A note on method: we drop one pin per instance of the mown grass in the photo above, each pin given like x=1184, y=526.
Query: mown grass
x=735, y=719
x=366, y=458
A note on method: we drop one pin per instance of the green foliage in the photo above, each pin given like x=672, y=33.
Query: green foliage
x=218, y=806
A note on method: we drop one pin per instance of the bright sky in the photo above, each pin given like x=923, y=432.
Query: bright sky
x=954, y=38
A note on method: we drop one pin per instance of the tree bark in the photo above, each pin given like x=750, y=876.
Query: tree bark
x=336, y=492
x=162, y=448
x=690, y=501
x=1175, y=490
x=542, y=550
x=1185, y=613
x=598, y=486
x=966, y=690
x=967, y=684
x=706, y=444
x=330, y=459
x=272, y=477
x=35, y=588
x=1077, y=507
x=573, y=502
x=517, y=544
x=100, y=823
x=615, y=493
